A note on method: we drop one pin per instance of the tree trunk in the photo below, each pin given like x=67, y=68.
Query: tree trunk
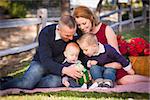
x=65, y=7
x=98, y=8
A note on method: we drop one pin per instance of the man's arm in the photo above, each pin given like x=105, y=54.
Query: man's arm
x=45, y=52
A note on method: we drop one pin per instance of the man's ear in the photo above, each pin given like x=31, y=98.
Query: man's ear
x=58, y=29
x=65, y=53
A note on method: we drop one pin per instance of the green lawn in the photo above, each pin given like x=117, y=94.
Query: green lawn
x=140, y=31
x=70, y=95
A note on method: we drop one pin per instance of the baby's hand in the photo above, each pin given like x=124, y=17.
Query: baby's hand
x=131, y=71
x=90, y=77
x=91, y=62
x=65, y=81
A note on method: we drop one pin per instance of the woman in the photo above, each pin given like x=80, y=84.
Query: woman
x=88, y=23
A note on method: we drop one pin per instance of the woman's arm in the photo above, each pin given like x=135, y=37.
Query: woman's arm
x=112, y=38
x=114, y=65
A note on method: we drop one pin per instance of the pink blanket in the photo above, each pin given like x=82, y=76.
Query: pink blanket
x=141, y=87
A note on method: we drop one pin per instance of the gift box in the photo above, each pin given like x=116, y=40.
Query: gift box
x=84, y=78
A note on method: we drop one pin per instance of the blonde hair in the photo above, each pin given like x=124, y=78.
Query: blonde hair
x=87, y=39
x=85, y=12
x=72, y=44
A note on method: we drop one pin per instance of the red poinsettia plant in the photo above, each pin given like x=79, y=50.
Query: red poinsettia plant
x=134, y=47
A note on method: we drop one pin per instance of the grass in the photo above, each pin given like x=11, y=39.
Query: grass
x=142, y=31
x=19, y=73
x=74, y=95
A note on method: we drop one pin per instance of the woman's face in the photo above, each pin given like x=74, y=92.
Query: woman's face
x=84, y=24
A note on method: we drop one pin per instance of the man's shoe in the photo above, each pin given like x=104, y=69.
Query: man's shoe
x=5, y=79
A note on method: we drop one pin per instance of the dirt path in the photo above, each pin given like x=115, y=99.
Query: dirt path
x=14, y=37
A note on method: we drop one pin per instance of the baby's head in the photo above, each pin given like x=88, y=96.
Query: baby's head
x=71, y=52
x=89, y=44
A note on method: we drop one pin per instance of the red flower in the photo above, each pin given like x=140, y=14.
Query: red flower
x=146, y=51
x=122, y=45
x=135, y=47
x=131, y=50
x=139, y=44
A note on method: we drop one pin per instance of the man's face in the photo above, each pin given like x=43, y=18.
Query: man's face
x=66, y=33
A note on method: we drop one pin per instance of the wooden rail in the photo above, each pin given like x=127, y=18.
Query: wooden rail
x=8, y=23
x=16, y=50
x=41, y=20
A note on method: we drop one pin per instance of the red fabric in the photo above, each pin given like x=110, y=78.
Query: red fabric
x=102, y=39
x=101, y=34
x=120, y=73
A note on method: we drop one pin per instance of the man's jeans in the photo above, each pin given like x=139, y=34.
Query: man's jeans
x=102, y=72
x=35, y=76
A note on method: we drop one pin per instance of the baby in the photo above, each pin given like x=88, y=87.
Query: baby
x=97, y=56
x=71, y=54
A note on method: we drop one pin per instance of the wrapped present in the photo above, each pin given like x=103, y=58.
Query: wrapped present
x=85, y=78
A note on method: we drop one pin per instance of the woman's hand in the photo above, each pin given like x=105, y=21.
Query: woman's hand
x=131, y=72
x=91, y=62
x=114, y=65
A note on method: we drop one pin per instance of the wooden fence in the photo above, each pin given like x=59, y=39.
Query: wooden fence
x=41, y=20
x=131, y=19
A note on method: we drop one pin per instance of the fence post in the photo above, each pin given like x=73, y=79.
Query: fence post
x=120, y=17
x=41, y=13
x=131, y=16
x=144, y=13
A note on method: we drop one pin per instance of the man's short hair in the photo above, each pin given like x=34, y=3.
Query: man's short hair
x=68, y=21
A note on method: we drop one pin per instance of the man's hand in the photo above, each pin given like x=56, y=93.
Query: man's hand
x=72, y=71
x=91, y=62
x=114, y=65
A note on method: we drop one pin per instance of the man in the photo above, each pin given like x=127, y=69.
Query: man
x=46, y=67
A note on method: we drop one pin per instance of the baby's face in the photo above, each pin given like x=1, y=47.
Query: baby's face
x=72, y=55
